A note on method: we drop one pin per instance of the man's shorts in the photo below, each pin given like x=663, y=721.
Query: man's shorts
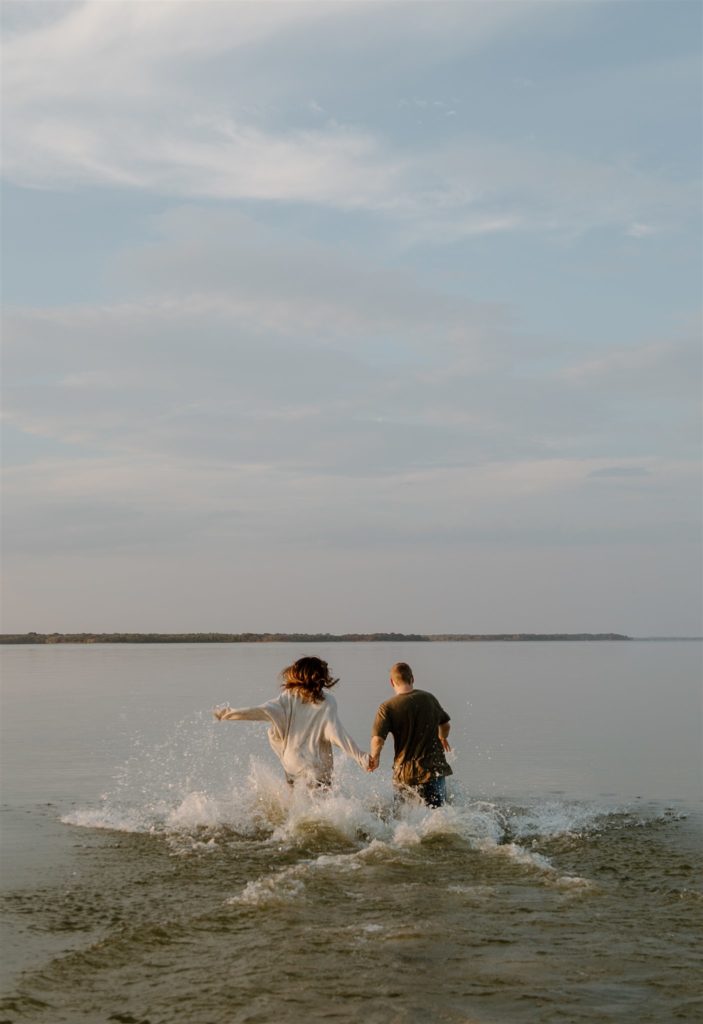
x=432, y=793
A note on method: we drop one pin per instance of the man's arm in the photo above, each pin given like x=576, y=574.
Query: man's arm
x=375, y=752
x=443, y=731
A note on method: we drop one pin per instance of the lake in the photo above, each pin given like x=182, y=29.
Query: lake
x=156, y=867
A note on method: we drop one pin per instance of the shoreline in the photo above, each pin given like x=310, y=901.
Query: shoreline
x=239, y=638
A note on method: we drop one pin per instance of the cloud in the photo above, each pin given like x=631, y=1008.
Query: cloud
x=620, y=472
x=267, y=406
x=209, y=124
x=641, y=230
x=227, y=261
x=151, y=502
x=250, y=349
x=669, y=369
x=254, y=410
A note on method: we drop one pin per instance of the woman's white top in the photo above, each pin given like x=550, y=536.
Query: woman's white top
x=302, y=733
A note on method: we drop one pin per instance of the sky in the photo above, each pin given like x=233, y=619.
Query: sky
x=342, y=316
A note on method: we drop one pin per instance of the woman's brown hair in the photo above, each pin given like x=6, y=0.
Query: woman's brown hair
x=308, y=677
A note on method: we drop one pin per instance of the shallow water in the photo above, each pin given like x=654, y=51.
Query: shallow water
x=158, y=869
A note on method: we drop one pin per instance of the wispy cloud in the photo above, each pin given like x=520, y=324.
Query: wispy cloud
x=670, y=368
x=72, y=86
x=637, y=230
x=375, y=372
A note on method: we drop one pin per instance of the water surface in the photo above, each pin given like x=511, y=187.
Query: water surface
x=156, y=867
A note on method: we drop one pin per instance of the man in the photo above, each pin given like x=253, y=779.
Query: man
x=420, y=728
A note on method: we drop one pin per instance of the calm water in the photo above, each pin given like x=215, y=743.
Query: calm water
x=156, y=869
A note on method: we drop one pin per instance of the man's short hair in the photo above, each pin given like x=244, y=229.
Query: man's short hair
x=402, y=673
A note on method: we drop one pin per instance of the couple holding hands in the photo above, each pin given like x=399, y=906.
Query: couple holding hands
x=304, y=726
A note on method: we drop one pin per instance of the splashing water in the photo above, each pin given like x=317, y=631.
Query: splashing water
x=195, y=794
x=201, y=855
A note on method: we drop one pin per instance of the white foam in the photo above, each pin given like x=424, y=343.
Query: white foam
x=196, y=810
x=473, y=893
x=279, y=888
x=536, y=862
x=261, y=804
x=289, y=883
x=264, y=805
x=573, y=883
x=349, y=816
x=114, y=819
x=552, y=818
x=194, y=793
x=516, y=853
x=471, y=890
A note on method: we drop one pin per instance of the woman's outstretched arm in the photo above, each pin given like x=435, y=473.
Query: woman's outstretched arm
x=258, y=714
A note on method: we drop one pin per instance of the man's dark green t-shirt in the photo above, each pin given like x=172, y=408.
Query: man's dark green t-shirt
x=413, y=718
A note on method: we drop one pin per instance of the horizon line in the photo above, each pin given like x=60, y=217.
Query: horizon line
x=33, y=637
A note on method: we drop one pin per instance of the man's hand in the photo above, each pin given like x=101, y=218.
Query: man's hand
x=373, y=763
x=443, y=733
x=220, y=712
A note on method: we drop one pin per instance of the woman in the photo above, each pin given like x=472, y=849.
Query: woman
x=304, y=724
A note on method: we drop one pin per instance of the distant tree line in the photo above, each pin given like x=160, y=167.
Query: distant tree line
x=272, y=638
